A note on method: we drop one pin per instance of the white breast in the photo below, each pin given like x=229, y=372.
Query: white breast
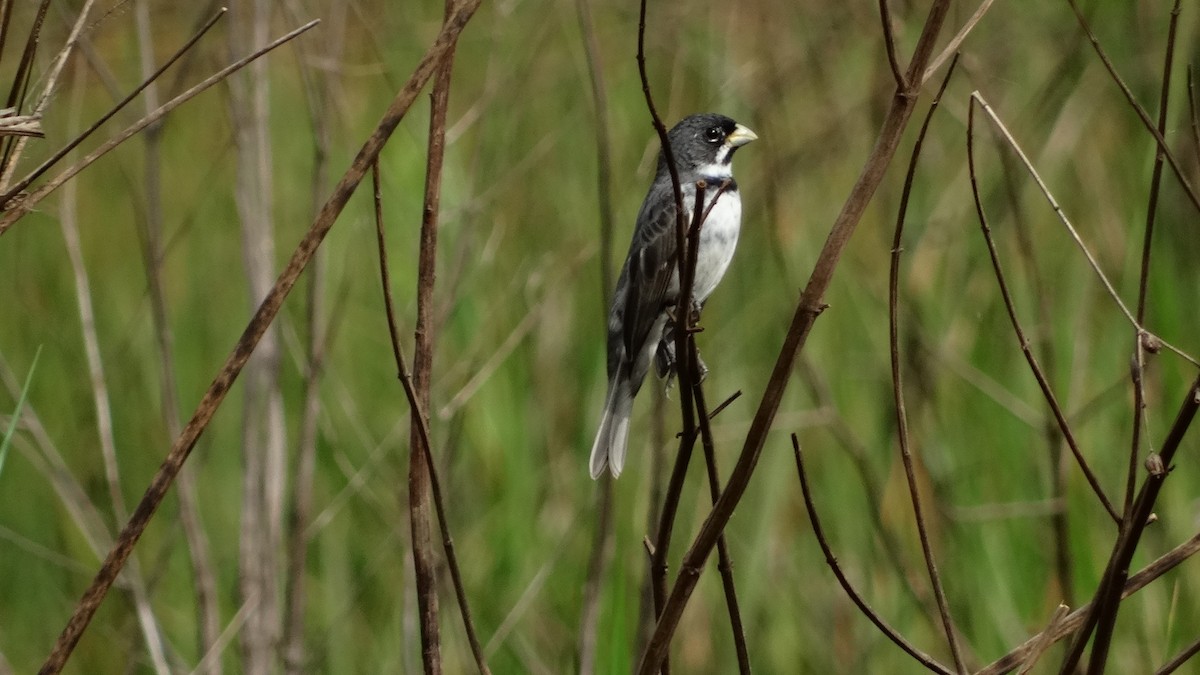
x=718, y=239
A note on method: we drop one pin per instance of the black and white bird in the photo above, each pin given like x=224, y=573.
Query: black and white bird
x=639, y=323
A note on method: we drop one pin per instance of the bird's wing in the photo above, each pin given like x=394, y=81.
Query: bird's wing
x=652, y=283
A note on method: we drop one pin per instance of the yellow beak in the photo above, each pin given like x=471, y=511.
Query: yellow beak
x=741, y=136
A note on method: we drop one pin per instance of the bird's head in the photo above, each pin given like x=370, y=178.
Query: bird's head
x=704, y=144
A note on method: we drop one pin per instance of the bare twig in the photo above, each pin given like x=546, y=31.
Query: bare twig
x=421, y=422
x=1139, y=351
x=724, y=561
x=808, y=309
x=889, y=43
x=266, y=313
x=890, y=633
x=1075, y=619
x=1045, y=640
x=687, y=441
x=906, y=454
x=951, y=48
x=1026, y=350
x=1106, y=603
x=420, y=458
x=264, y=439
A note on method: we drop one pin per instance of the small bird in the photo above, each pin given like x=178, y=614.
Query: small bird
x=640, y=326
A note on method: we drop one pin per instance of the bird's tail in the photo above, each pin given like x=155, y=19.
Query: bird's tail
x=613, y=436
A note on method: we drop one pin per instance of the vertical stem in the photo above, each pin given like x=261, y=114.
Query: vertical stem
x=264, y=443
x=420, y=517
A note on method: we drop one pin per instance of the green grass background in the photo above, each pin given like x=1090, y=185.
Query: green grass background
x=519, y=237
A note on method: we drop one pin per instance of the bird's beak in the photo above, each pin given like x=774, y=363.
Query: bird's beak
x=741, y=136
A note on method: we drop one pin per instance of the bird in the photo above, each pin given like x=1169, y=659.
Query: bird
x=640, y=325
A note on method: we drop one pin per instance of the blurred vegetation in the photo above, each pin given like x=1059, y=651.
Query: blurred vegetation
x=519, y=287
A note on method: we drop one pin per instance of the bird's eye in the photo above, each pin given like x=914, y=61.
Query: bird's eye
x=714, y=135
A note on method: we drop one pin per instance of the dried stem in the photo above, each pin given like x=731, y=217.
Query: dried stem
x=1044, y=640
x=1106, y=603
x=264, y=439
x=906, y=453
x=1026, y=350
x=687, y=438
x=951, y=48
x=890, y=633
x=263, y=318
x=808, y=309
x=420, y=458
x=1139, y=351
x=724, y=561
x=889, y=43
x=421, y=422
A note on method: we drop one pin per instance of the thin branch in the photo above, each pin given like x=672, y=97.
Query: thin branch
x=15, y=211
x=951, y=48
x=890, y=633
x=1075, y=619
x=421, y=464
x=1026, y=350
x=687, y=439
x=1106, y=603
x=724, y=561
x=807, y=310
x=262, y=319
x=421, y=422
x=906, y=454
x=889, y=43
x=1044, y=640
x=1139, y=351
